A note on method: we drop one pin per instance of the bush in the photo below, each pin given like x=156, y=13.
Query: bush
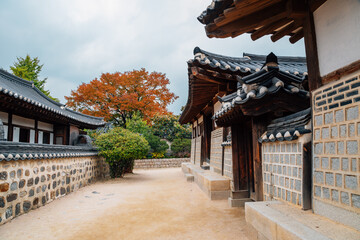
x=157, y=146
x=181, y=147
x=120, y=148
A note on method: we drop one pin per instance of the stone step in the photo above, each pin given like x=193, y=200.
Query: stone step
x=238, y=202
x=278, y=220
x=240, y=194
x=189, y=177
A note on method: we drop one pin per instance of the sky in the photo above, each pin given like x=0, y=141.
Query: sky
x=78, y=40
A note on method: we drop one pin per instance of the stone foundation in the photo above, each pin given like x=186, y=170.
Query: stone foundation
x=29, y=184
x=159, y=163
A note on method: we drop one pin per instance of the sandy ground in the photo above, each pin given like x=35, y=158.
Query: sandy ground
x=149, y=204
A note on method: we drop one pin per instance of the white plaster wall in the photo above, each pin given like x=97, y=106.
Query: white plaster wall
x=45, y=126
x=217, y=106
x=4, y=117
x=337, y=24
x=25, y=122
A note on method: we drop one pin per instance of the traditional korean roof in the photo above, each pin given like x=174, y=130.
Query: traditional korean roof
x=288, y=128
x=209, y=73
x=268, y=90
x=25, y=94
x=26, y=151
x=230, y=18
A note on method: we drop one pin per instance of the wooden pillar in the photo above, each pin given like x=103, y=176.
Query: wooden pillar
x=239, y=148
x=258, y=128
x=10, y=127
x=312, y=59
x=36, y=131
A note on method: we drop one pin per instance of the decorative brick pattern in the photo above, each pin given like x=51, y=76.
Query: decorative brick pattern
x=216, y=150
x=228, y=171
x=26, y=185
x=192, y=153
x=282, y=171
x=336, y=157
x=198, y=151
x=159, y=163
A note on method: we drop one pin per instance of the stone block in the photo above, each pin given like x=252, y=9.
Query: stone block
x=345, y=198
x=355, y=199
x=329, y=118
x=352, y=147
x=318, y=120
x=334, y=132
x=4, y=187
x=329, y=179
x=2, y=202
x=13, y=186
x=9, y=212
x=297, y=185
x=189, y=177
x=318, y=148
x=238, y=202
x=352, y=130
x=352, y=113
x=335, y=164
x=338, y=181
x=353, y=165
x=341, y=149
x=330, y=148
x=325, y=133
x=26, y=206
x=335, y=195
x=345, y=164
x=3, y=175
x=351, y=182
x=343, y=131
x=339, y=116
x=326, y=193
x=325, y=163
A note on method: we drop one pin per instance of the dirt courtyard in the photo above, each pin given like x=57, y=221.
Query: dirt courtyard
x=149, y=204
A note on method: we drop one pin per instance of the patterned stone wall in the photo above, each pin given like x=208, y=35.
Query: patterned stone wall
x=29, y=184
x=192, y=153
x=216, y=150
x=336, y=139
x=198, y=151
x=228, y=171
x=159, y=163
x=283, y=171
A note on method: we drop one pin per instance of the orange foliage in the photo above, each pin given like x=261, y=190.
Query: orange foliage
x=118, y=96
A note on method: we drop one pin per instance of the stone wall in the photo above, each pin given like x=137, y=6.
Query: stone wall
x=159, y=163
x=283, y=171
x=336, y=142
x=192, y=153
x=29, y=184
x=228, y=171
x=198, y=151
x=216, y=150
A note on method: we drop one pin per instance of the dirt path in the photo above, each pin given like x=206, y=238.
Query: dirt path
x=150, y=204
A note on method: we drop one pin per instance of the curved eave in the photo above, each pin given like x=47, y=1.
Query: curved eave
x=278, y=100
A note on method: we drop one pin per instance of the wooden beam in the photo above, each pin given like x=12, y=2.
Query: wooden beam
x=269, y=28
x=337, y=74
x=312, y=58
x=286, y=30
x=297, y=36
x=36, y=131
x=245, y=24
x=10, y=127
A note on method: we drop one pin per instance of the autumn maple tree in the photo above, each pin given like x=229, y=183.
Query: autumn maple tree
x=118, y=96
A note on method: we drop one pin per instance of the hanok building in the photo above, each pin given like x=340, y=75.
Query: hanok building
x=231, y=101
x=43, y=152
x=331, y=34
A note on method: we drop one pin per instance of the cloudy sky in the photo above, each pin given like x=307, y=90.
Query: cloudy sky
x=78, y=40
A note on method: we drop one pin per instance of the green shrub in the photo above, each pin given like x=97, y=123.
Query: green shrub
x=120, y=148
x=181, y=147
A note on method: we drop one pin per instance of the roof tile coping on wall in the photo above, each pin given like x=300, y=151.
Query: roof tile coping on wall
x=27, y=151
x=288, y=128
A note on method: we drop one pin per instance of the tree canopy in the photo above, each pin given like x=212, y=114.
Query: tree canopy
x=29, y=69
x=118, y=96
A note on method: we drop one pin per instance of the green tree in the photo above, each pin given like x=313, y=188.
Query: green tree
x=120, y=148
x=168, y=127
x=29, y=68
x=181, y=147
x=138, y=125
